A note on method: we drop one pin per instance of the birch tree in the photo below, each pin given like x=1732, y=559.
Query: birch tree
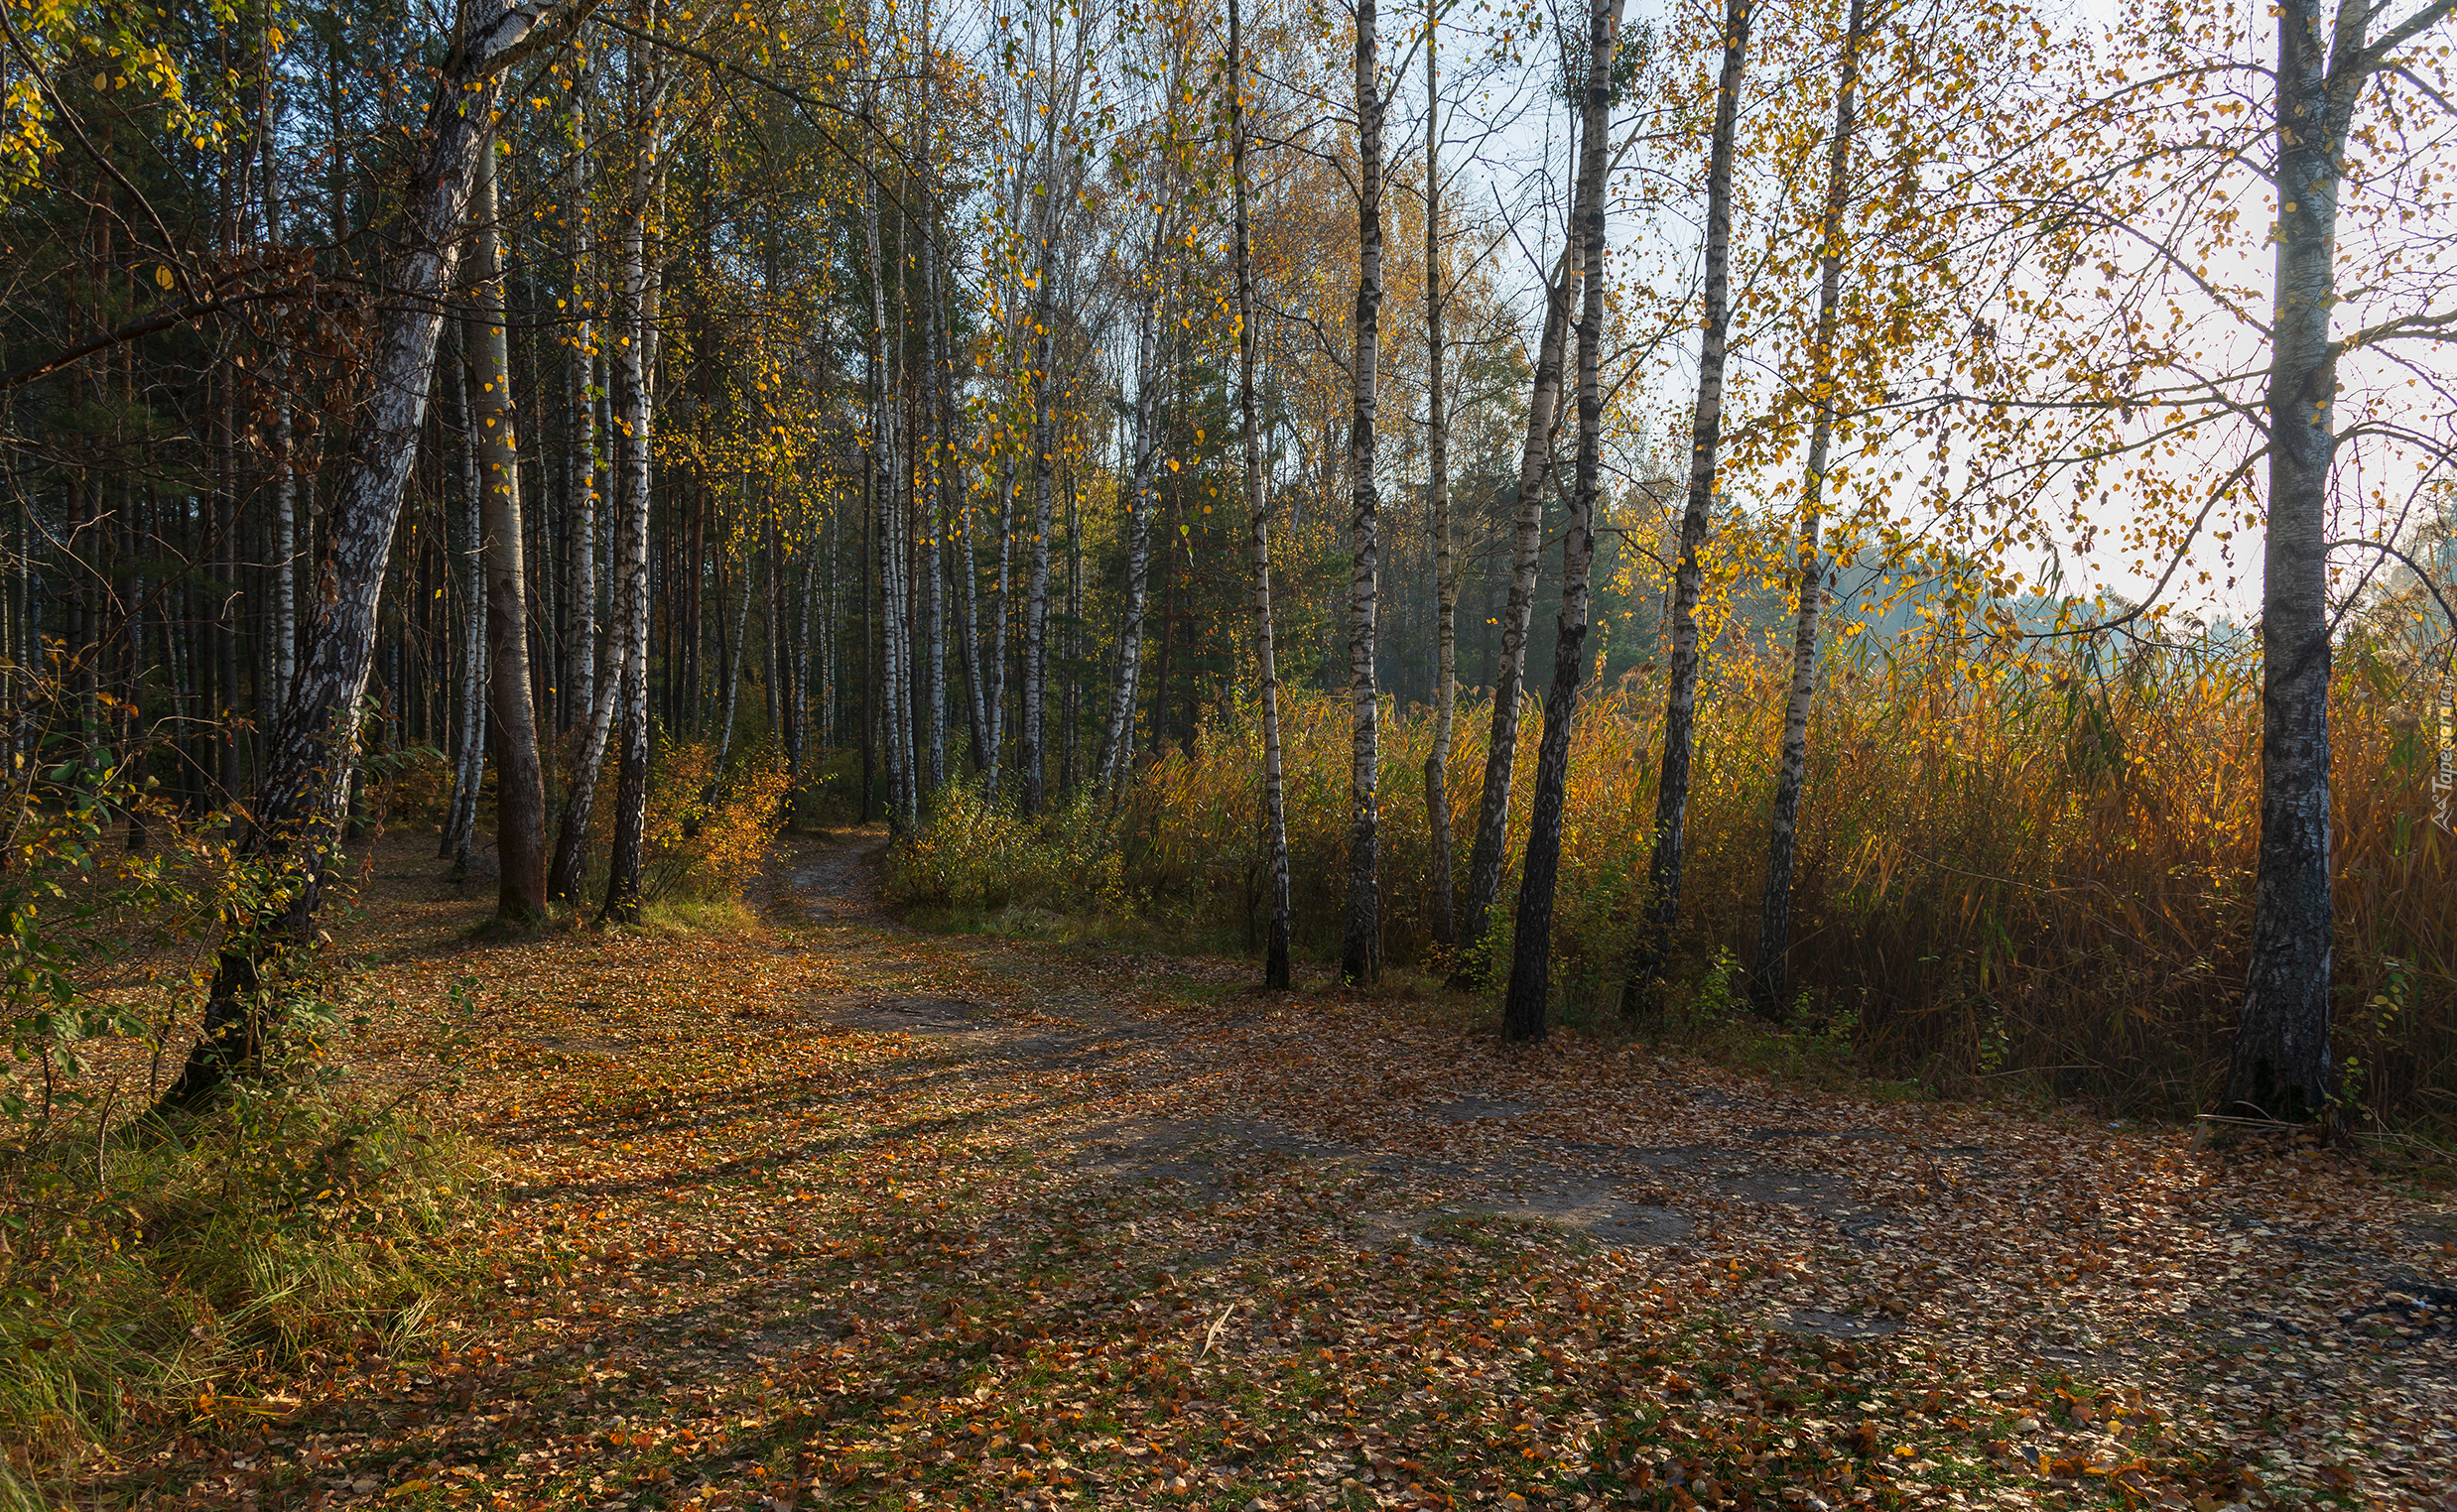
x=1706, y=437
x=1523, y=1008
x=1361, y=950
x=1275, y=968
x=635, y=363
x=304, y=795
x=1768, y=976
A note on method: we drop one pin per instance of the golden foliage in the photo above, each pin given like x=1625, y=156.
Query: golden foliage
x=706, y=835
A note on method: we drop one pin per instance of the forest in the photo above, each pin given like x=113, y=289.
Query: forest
x=1417, y=578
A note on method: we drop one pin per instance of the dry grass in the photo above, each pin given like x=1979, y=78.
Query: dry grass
x=2016, y=872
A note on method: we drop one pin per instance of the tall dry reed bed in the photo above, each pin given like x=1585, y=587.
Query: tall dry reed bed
x=2026, y=869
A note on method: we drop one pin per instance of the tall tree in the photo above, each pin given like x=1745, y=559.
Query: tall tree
x=1706, y=437
x=1275, y=968
x=1446, y=572
x=313, y=754
x=636, y=293
x=470, y=770
x=2279, y=1063
x=1535, y=465
x=580, y=560
x=520, y=783
x=1116, y=753
x=1530, y=989
x=1361, y=951
x=1767, y=981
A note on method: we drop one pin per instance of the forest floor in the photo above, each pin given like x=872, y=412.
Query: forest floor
x=824, y=1212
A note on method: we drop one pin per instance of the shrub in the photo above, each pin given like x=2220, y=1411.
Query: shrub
x=707, y=834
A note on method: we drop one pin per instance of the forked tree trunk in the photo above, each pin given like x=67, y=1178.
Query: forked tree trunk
x=520, y=784
x=1524, y=1007
x=562, y=878
x=1361, y=951
x=1768, y=978
x=1681, y=698
x=312, y=753
x=1275, y=972
x=1535, y=464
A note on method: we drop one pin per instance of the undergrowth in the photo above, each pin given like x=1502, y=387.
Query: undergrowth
x=149, y=1274
x=157, y=1263
x=2033, y=874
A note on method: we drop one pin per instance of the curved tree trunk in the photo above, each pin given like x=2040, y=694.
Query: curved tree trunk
x=1535, y=463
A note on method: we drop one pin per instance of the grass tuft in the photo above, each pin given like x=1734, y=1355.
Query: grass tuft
x=151, y=1270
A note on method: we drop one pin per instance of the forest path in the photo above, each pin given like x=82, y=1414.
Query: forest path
x=839, y=1213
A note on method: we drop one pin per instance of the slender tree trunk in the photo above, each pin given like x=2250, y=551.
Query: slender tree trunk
x=564, y=877
x=1361, y=951
x=1768, y=976
x=2279, y=1065
x=994, y=663
x=1030, y=733
x=1535, y=463
x=461, y=823
x=869, y=652
x=1275, y=967
x=1071, y=701
x=1117, y=757
x=1681, y=698
x=966, y=564
x=1446, y=569
x=1524, y=1006
x=520, y=785
x=734, y=667
x=284, y=614
x=314, y=747
x=580, y=592
x=634, y=364
x=939, y=458
x=895, y=696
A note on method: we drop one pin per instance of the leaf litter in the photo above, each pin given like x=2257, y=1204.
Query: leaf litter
x=832, y=1213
